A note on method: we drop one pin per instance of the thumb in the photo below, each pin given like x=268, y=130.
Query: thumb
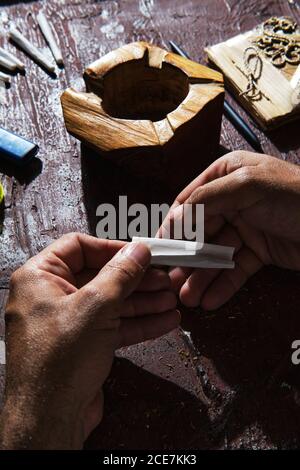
x=122, y=274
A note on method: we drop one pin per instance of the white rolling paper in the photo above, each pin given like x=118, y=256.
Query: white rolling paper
x=183, y=253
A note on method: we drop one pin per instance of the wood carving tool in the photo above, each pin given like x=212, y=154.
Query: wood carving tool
x=48, y=34
x=31, y=50
x=7, y=55
x=8, y=64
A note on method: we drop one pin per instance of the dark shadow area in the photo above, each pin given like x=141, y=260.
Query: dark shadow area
x=7, y=85
x=222, y=151
x=104, y=181
x=287, y=137
x=5, y=3
x=24, y=174
x=243, y=351
x=247, y=346
x=12, y=73
x=246, y=374
x=134, y=90
x=143, y=411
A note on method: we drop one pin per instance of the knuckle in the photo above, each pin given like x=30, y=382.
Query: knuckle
x=196, y=196
x=91, y=291
x=95, y=298
x=235, y=154
x=238, y=156
x=246, y=176
x=237, y=159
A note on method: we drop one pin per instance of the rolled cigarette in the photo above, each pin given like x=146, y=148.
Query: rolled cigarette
x=31, y=50
x=7, y=64
x=7, y=55
x=5, y=78
x=48, y=34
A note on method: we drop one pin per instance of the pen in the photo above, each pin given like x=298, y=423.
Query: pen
x=229, y=112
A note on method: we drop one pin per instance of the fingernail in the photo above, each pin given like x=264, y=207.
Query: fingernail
x=138, y=252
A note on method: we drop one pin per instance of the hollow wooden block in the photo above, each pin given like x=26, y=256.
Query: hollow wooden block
x=150, y=110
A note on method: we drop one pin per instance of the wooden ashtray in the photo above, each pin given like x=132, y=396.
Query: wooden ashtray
x=150, y=110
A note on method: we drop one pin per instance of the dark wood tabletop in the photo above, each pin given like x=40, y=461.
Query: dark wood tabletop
x=225, y=380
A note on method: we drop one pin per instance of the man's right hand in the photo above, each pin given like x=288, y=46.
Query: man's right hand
x=252, y=202
x=69, y=308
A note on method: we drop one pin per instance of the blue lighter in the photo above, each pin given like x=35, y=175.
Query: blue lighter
x=15, y=149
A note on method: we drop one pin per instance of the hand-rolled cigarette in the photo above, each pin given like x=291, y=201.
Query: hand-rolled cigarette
x=7, y=55
x=189, y=254
x=47, y=32
x=7, y=64
x=31, y=50
x=4, y=78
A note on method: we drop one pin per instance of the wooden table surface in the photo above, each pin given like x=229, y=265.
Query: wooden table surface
x=230, y=384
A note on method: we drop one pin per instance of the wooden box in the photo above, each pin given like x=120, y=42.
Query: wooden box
x=150, y=110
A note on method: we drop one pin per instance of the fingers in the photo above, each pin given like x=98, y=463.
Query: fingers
x=221, y=167
x=230, y=281
x=154, y=280
x=196, y=284
x=229, y=194
x=178, y=276
x=77, y=251
x=120, y=276
x=141, y=303
x=137, y=330
x=222, y=187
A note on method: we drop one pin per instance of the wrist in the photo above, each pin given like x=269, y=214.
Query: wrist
x=28, y=423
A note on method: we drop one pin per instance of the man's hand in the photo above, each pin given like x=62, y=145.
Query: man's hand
x=252, y=202
x=69, y=308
